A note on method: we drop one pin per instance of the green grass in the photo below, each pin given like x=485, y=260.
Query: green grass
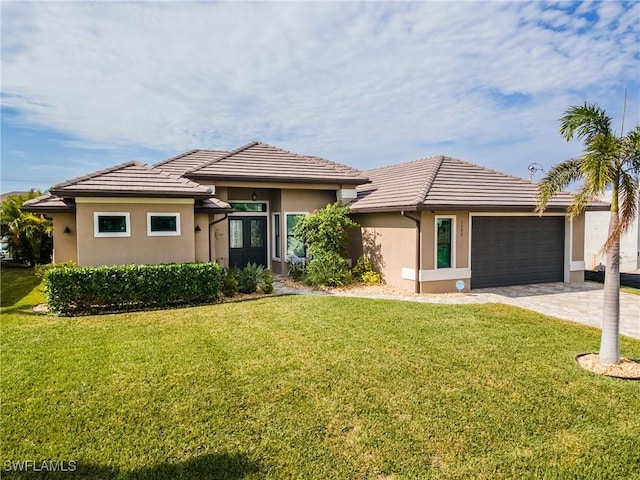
x=20, y=289
x=632, y=290
x=315, y=387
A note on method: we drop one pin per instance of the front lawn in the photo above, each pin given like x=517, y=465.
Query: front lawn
x=314, y=387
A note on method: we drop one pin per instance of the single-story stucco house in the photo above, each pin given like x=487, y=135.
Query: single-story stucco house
x=425, y=224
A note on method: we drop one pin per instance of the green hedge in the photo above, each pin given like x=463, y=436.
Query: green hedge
x=87, y=290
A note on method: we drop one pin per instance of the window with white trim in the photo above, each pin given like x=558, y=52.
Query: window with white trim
x=163, y=224
x=445, y=242
x=111, y=224
x=295, y=246
x=275, y=228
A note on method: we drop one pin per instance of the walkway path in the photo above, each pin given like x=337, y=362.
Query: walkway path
x=581, y=303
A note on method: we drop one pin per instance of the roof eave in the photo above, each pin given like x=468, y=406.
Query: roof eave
x=129, y=193
x=43, y=209
x=238, y=178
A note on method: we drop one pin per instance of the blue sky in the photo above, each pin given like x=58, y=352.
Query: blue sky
x=90, y=85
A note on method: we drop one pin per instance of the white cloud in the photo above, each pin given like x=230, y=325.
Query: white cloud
x=362, y=83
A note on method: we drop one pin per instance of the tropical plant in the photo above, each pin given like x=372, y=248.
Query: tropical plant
x=326, y=229
x=253, y=278
x=328, y=268
x=31, y=235
x=326, y=232
x=609, y=161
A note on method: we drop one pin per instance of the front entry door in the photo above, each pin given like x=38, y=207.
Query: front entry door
x=247, y=241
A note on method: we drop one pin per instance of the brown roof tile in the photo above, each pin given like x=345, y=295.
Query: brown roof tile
x=180, y=164
x=48, y=204
x=448, y=183
x=131, y=178
x=212, y=205
x=261, y=162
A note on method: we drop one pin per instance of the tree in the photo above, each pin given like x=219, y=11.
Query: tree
x=30, y=234
x=609, y=161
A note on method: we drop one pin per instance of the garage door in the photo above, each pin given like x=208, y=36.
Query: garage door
x=516, y=250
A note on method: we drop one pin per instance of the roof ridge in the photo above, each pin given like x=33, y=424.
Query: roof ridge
x=401, y=164
x=176, y=157
x=88, y=176
x=489, y=169
x=424, y=191
x=226, y=155
x=179, y=178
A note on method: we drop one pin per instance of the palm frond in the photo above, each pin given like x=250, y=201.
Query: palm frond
x=631, y=151
x=556, y=179
x=628, y=204
x=584, y=121
x=581, y=200
x=600, y=163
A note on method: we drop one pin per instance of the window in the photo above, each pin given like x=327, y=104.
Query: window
x=111, y=224
x=275, y=221
x=249, y=207
x=444, y=242
x=235, y=234
x=163, y=224
x=294, y=245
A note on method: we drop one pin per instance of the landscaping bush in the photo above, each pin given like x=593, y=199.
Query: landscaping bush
x=253, y=278
x=85, y=290
x=230, y=282
x=325, y=232
x=328, y=268
x=365, y=272
x=296, y=270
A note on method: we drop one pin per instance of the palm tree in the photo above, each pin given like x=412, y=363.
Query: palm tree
x=609, y=161
x=31, y=234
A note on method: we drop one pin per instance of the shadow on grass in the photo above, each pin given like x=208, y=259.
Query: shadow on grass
x=17, y=283
x=222, y=466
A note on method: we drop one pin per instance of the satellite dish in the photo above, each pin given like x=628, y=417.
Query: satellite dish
x=534, y=168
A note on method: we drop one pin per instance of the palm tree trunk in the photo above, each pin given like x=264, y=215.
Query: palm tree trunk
x=610, y=340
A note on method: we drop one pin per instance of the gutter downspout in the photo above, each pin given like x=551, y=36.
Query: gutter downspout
x=226, y=215
x=418, y=256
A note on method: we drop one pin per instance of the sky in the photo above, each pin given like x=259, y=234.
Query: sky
x=88, y=85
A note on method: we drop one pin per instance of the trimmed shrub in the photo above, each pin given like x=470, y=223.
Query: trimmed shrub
x=230, y=282
x=86, y=290
x=328, y=268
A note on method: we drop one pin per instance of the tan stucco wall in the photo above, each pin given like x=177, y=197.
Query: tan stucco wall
x=201, y=238
x=296, y=200
x=389, y=241
x=577, y=248
x=64, y=244
x=139, y=247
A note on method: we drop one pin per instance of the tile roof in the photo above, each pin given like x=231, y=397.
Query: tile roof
x=260, y=162
x=447, y=183
x=212, y=205
x=131, y=178
x=180, y=164
x=48, y=203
